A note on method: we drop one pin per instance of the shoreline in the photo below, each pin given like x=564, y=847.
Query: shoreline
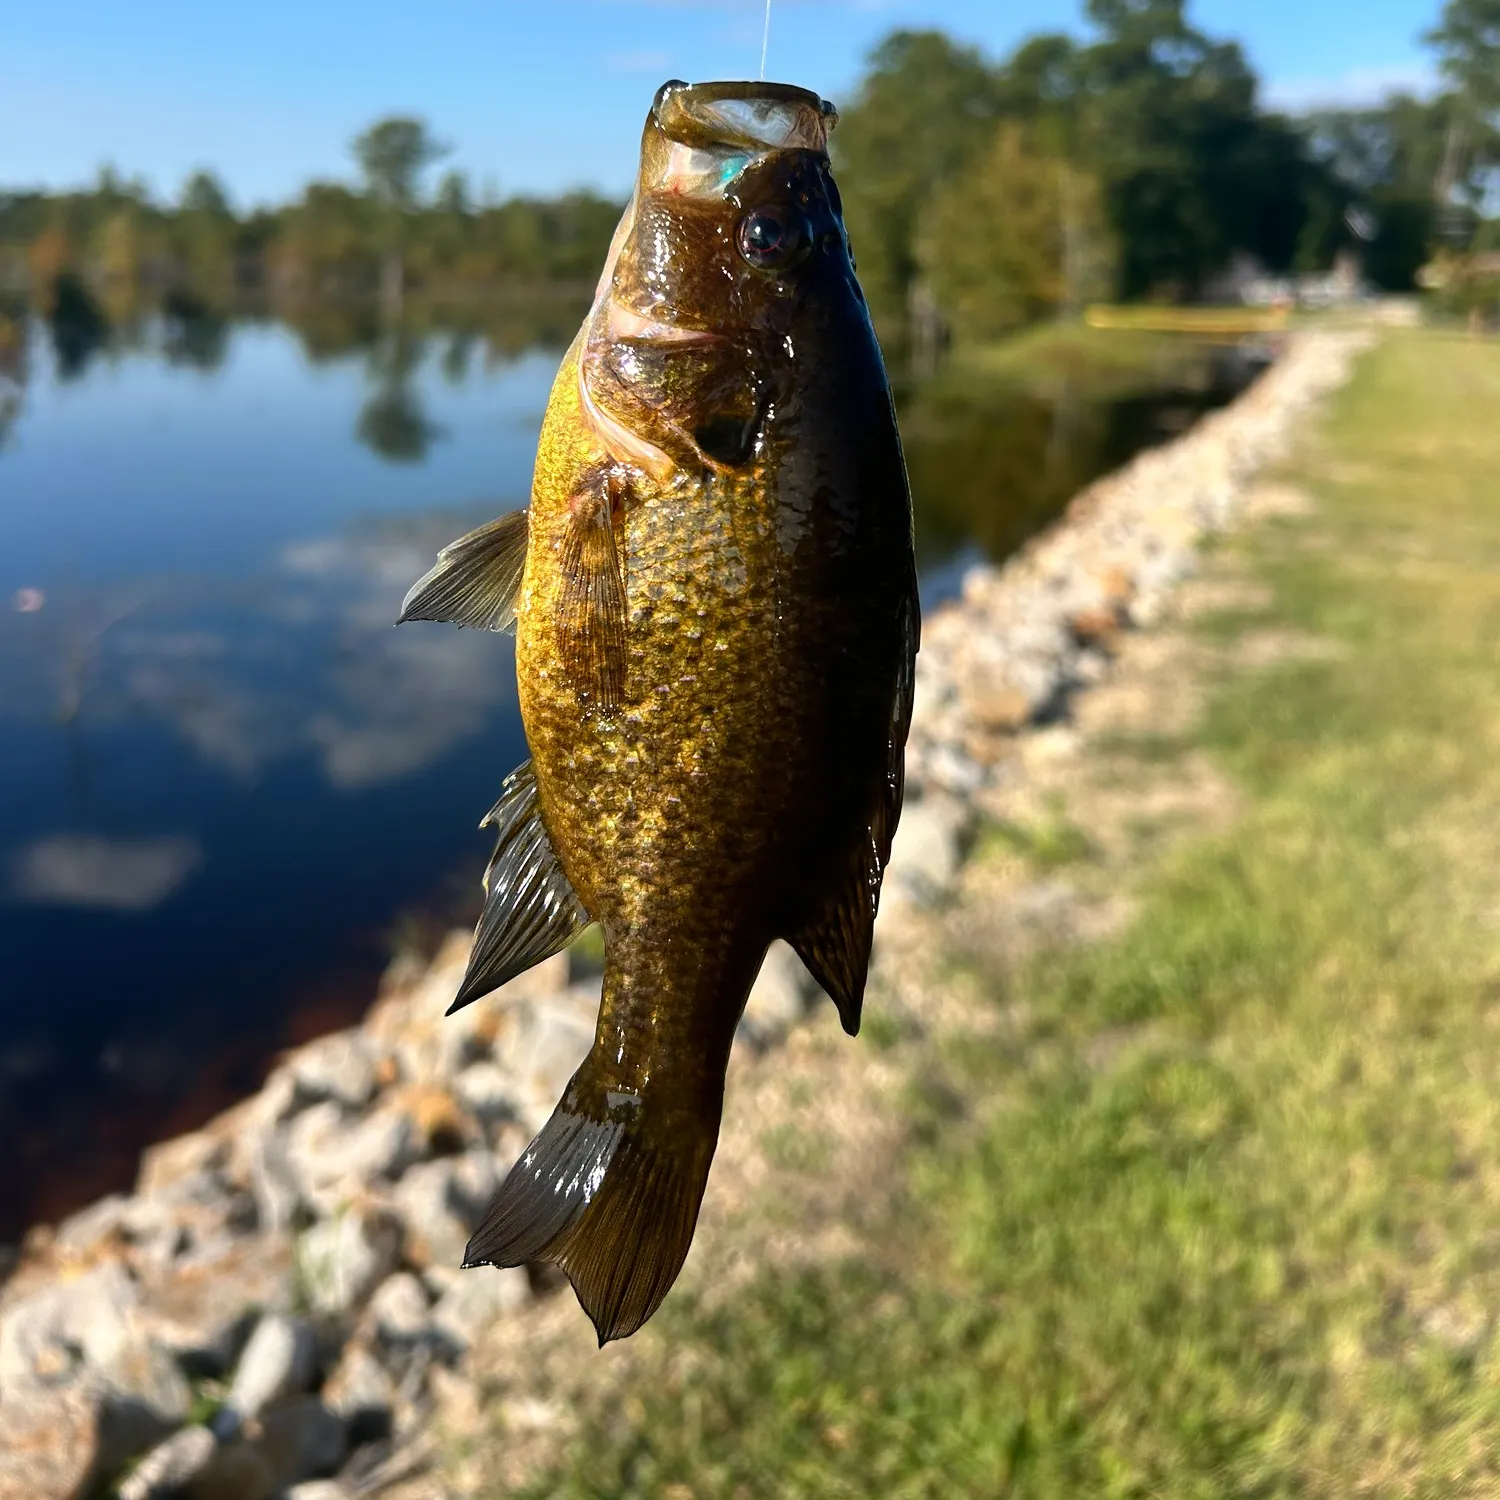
x=278, y=1296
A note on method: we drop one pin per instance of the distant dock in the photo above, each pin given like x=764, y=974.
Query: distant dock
x=1203, y=322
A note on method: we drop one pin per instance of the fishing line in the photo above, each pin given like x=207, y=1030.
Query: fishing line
x=765, y=42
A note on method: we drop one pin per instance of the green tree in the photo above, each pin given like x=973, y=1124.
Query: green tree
x=926, y=109
x=1467, y=41
x=1026, y=237
x=204, y=194
x=1387, y=158
x=1468, y=46
x=393, y=153
x=453, y=195
x=205, y=232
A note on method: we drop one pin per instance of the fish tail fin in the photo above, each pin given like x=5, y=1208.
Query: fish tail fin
x=609, y=1192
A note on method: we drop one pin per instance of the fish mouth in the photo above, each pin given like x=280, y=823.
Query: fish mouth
x=701, y=136
x=753, y=116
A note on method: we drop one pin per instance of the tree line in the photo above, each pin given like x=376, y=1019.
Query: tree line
x=1140, y=162
x=382, y=234
x=1137, y=161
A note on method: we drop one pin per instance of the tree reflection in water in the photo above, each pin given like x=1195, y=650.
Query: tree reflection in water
x=393, y=422
x=195, y=334
x=992, y=464
x=77, y=323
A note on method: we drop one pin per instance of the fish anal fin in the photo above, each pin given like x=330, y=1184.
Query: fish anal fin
x=609, y=1192
x=834, y=942
x=476, y=580
x=837, y=931
x=531, y=911
x=591, y=606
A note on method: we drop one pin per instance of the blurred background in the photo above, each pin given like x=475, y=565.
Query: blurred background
x=281, y=298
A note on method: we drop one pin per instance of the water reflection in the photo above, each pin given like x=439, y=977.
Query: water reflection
x=12, y=368
x=195, y=334
x=79, y=327
x=991, y=463
x=223, y=773
x=393, y=422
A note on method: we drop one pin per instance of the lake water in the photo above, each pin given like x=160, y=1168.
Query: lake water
x=228, y=787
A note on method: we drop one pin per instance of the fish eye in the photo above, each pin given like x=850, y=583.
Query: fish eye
x=772, y=239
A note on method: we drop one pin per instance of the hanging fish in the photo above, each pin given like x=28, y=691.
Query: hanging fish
x=715, y=606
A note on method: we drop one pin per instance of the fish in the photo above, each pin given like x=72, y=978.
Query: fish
x=713, y=592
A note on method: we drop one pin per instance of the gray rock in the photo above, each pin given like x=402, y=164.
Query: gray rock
x=171, y=1467
x=59, y=1443
x=300, y=1438
x=203, y=1306
x=47, y=1336
x=778, y=999
x=951, y=770
x=183, y=1156
x=237, y=1471
x=476, y=1180
x=280, y=1360
x=334, y=1162
x=426, y=1199
x=89, y=1331
x=399, y=1311
x=318, y=1489
x=342, y=1260
x=361, y=1392
x=341, y=1067
x=145, y=1391
x=49, y=1444
x=273, y=1181
x=476, y=1299
x=487, y=1092
x=926, y=851
x=192, y=1212
x=81, y=1233
x=541, y=1045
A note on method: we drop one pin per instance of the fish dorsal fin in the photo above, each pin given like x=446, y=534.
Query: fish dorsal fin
x=834, y=941
x=530, y=911
x=476, y=580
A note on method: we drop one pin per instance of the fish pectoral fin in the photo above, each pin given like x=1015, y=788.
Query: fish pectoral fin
x=591, y=607
x=530, y=911
x=834, y=943
x=608, y=1191
x=476, y=580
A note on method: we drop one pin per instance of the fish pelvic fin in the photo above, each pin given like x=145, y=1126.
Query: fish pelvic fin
x=531, y=911
x=609, y=1192
x=476, y=580
x=591, y=609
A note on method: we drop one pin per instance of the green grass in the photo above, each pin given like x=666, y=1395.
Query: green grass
x=1047, y=843
x=1252, y=1247
x=1105, y=361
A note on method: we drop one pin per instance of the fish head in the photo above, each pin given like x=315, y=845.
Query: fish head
x=735, y=226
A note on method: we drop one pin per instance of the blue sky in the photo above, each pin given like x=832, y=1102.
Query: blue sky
x=534, y=95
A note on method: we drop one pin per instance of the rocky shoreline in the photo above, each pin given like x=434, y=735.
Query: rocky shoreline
x=276, y=1307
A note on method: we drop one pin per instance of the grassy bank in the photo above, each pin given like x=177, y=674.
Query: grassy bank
x=1104, y=361
x=1226, y=1219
